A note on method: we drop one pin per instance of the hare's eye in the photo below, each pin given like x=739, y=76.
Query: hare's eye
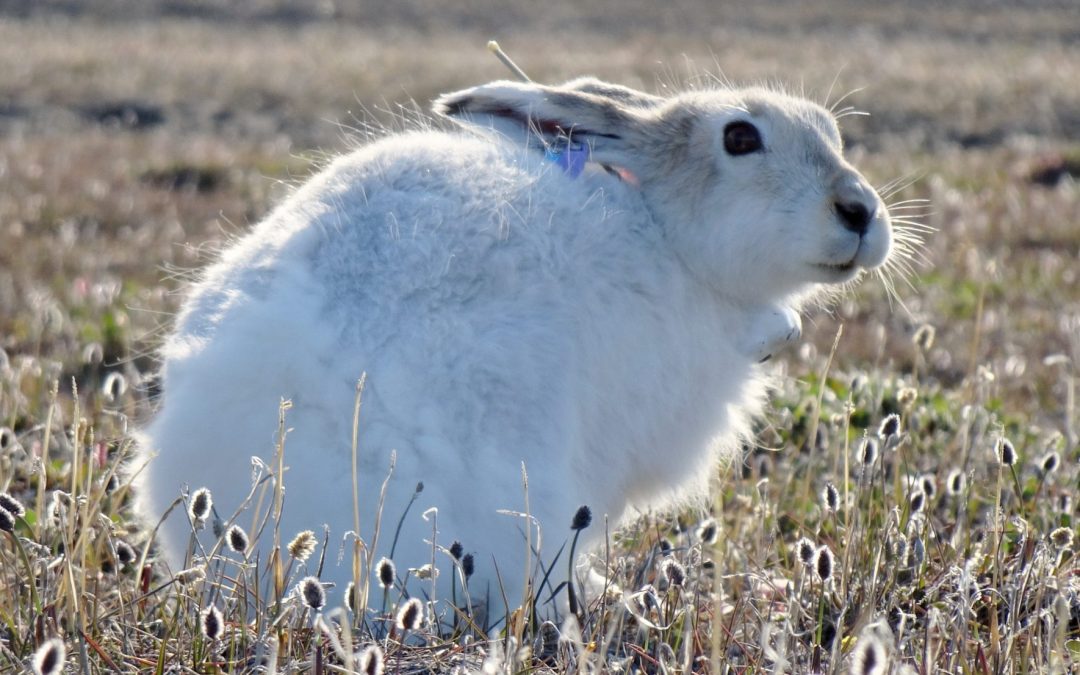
x=741, y=138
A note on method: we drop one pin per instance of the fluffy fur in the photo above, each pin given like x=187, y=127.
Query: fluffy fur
x=603, y=331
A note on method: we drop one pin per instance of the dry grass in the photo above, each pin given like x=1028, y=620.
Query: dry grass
x=131, y=148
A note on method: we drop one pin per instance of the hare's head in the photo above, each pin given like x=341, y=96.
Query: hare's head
x=750, y=185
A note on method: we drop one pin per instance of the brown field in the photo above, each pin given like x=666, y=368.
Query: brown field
x=137, y=137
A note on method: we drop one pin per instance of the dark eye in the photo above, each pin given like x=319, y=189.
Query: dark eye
x=741, y=138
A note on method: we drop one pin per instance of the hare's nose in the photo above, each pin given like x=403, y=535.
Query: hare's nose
x=854, y=215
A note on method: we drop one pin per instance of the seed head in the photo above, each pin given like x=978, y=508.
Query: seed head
x=890, y=426
x=830, y=498
x=237, y=539
x=410, y=615
x=1062, y=537
x=674, y=573
x=823, y=563
x=805, y=551
x=311, y=593
x=924, y=337
x=582, y=518
x=1050, y=463
x=7, y=521
x=202, y=502
x=1064, y=503
x=425, y=572
x=111, y=484
x=707, y=531
x=456, y=549
x=858, y=383
x=906, y=396
x=49, y=657
x=1006, y=452
x=211, y=623
x=917, y=501
x=928, y=484
x=189, y=576
x=12, y=505
x=468, y=565
x=955, y=483
x=386, y=573
x=302, y=545
x=125, y=555
x=371, y=660
x=869, y=452
x=350, y=596
x=869, y=657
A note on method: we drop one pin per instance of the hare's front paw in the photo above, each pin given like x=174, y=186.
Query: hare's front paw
x=770, y=329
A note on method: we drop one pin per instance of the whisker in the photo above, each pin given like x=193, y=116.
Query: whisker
x=843, y=98
x=832, y=85
x=898, y=184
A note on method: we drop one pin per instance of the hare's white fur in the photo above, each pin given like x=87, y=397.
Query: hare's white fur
x=604, y=332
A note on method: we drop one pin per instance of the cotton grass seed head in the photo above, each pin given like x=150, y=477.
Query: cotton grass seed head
x=237, y=539
x=200, y=505
x=385, y=571
x=868, y=453
x=582, y=518
x=468, y=565
x=707, y=531
x=190, y=576
x=869, y=657
x=824, y=564
x=830, y=498
x=924, y=338
x=49, y=657
x=917, y=502
x=125, y=555
x=805, y=551
x=456, y=549
x=371, y=660
x=890, y=426
x=7, y=521
x=12, y=505
x=425, y=572
x=928, y=484
x=1006, y=453
x=211, y=623
x=955, y=483
x=350, y=596
x=1050, y=463
x=409, y=615
x=311, y=593
x=1062, y=537
x=674, y=573
x=1063, y=503
x=907, y=396
x=302, y=545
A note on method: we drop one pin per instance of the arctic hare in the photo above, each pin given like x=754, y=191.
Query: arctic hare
x=577, y=280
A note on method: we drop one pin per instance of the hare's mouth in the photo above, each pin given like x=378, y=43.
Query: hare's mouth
x=838, y=273
x=839, y=267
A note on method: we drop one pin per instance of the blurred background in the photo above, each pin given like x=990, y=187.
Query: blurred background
x=138, y=136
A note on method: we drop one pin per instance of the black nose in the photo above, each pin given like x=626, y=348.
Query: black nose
x=855, y=216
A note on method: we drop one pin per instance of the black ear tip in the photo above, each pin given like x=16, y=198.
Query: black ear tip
x=452, y=105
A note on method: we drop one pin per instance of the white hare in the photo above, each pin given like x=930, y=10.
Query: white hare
x=578, y=280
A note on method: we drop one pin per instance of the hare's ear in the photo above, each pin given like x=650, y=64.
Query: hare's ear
x=616, y=92
x=617, y=134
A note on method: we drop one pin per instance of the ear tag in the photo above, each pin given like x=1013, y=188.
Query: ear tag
x=569, y=156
